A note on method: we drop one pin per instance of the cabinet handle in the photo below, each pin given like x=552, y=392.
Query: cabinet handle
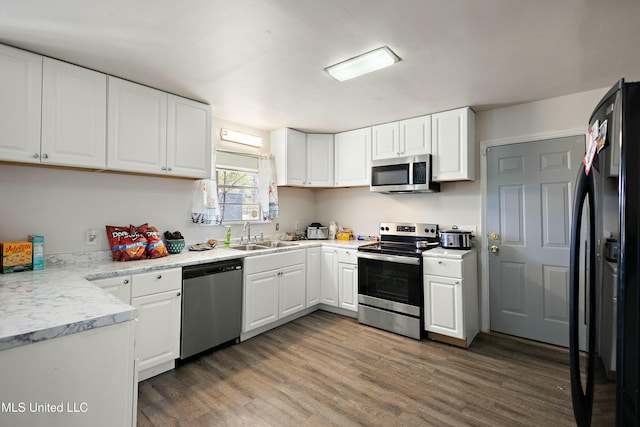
x=169, y=169
x=36, y=155
x=457, y=282
x=178, y=294
x=159, y=276
x=163, y=168
x=439, y=262
x=44, y=156
x=126, y=281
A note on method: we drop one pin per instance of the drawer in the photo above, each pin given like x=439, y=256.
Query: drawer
x=348, y=256
x=442, y=267
x=156, y=282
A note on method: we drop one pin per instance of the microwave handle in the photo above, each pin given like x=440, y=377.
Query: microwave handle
x=410, y=173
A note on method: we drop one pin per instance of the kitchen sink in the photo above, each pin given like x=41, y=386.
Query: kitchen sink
x=251, y=247
x=276, y=244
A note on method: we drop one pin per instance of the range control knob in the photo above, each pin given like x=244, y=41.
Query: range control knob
x=433, y=230
x=381, y=228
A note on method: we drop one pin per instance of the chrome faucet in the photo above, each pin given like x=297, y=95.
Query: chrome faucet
x=247, y=227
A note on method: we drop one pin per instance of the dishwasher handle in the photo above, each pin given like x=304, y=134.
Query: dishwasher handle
x=211, y=268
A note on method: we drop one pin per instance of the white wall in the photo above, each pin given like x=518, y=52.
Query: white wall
x=359, y=209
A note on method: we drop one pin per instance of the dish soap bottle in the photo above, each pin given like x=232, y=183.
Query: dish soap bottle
x=227, y=240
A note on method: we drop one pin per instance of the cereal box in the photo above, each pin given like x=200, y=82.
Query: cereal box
x=16, y=256
x=38, y=251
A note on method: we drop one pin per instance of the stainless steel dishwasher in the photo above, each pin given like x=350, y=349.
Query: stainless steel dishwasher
x=211, y=305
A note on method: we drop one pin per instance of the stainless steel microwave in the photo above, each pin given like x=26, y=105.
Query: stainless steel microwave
x=403, y=175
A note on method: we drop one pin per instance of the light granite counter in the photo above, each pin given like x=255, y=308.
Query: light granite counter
x=441, y=252
x=61, y=300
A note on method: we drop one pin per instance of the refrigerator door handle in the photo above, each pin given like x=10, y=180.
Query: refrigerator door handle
x=582, y=399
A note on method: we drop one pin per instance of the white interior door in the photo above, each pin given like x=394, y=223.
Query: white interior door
x=530, y=190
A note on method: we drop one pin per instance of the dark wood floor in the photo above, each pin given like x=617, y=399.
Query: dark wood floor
x=326, y=369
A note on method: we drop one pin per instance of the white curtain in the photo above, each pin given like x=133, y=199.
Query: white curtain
x=268, y=187
x=205, y=209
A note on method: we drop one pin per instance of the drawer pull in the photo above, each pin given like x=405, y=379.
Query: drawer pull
x=457, y=282
x=159, y=276
x=439, y=262
x=126, y=282
x=178, y=294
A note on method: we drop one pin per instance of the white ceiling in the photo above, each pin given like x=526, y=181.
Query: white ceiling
x=260, y=62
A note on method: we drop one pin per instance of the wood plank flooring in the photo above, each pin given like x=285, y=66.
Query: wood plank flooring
x=326, y=369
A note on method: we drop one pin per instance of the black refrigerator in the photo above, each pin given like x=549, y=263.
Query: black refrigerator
x=614, y=128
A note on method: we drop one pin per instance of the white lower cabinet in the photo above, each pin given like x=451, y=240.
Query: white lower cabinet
x=348, y=279
x=451, y=299
x=339, y=276
x=274, y=287
x=329, y=277
x=157, y=296
x=314, y=268
x=86, y=377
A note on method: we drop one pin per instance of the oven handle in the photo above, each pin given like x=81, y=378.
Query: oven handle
x=390, y=258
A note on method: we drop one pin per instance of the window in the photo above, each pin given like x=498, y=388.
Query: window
x=237, y=180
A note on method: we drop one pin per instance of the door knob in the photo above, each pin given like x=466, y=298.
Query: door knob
x=495, y=249
x=494, y=236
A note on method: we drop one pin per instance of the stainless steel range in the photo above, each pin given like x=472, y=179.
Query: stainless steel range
x=390, y=278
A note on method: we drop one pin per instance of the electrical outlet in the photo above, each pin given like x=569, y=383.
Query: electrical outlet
x=277, y=226
x=297, y=225
x=91, y=237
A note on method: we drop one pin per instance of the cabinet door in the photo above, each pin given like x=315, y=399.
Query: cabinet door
x=319, y=160
x=443, y=310
x=118, y=286
x=260, y=299
x=74, y=115
x=385, y=141
x=453, y=145
x=415, y=136
x=158, y=335
x=329, y=277
x=20, y=105
x=353, y=158
x=136, y=128
x=296, y=157
x=348, y=286
x=188, y=138
x=292, y=289
x=314, y=263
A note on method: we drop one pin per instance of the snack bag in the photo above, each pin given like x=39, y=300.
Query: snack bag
x=126, y=243
x=155, y=245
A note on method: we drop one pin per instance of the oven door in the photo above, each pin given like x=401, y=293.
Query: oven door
x=391, y=278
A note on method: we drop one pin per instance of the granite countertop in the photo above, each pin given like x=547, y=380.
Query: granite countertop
x=61, y=300
x=441, y=252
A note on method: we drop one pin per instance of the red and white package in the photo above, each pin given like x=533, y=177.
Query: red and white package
x=126, y=243
x=155, y=245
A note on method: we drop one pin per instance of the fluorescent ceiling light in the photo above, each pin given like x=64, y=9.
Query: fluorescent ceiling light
x=241, y=138
x=367, y=62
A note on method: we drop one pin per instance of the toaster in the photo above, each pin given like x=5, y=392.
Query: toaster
x=317, y=232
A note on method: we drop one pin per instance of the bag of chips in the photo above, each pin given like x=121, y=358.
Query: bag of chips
x=155, y=245
x=126, y=243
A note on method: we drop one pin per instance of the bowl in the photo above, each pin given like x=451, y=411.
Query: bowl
x=174, y=246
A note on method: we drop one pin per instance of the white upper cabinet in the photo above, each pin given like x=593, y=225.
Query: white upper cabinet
x=188, y=138
x=409, y=137
x=289, y=148
x=150, y=131
x=74, y=115
x=302, y=160
x=353, y=158
x=415, y=136
x=453, y=145
x=137, y=128
x=20, y=105
x=385, y=141
x=319, y=160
